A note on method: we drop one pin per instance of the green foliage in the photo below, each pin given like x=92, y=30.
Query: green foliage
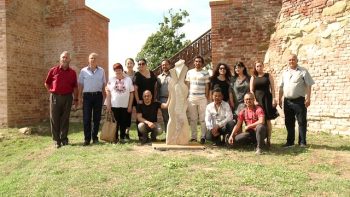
x=167, y=41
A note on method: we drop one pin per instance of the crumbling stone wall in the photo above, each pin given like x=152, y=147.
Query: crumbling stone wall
x=318, y=31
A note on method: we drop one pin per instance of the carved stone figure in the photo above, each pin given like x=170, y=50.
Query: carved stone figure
x=178, y=131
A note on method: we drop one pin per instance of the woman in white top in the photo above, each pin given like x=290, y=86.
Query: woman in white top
x=129, y=63
x=120, y=95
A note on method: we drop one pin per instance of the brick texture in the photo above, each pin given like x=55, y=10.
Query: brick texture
x=36, y=33
x=241, y=29
x=318, y=31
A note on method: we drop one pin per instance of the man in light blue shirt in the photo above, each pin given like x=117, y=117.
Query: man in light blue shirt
x=92, y=82
x=295, y=88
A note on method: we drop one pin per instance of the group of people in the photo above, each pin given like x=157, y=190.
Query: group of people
x=219, y=103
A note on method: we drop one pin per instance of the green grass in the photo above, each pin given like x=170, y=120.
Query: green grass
x=31, y=166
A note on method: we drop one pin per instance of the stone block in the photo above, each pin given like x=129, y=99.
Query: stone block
x=25, y=130
x=337, y=8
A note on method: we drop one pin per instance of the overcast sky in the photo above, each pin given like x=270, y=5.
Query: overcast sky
x=133, y=21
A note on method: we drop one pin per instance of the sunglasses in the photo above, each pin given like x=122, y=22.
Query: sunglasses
x=141, y=64
x=222, y=68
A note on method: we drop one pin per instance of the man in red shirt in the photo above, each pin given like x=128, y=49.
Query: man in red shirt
x=61, y=82
x=255, y=129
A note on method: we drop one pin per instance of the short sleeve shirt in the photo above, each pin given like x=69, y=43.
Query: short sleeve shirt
x=92, y=81
x=149, y=112
x=294, y=82
x=120, y=91
x=163, y=81
x=198, y=80
x=144, y=83
x=61, y=81
x=250, y=116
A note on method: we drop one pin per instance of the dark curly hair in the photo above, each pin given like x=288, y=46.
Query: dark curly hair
x=216, y=72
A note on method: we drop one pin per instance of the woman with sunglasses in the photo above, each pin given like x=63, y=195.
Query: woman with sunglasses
x=221, y=78
x=144, y=80
x=240, y=86
x=120, y=95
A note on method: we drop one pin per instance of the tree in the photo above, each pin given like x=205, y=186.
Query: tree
x=167, y=41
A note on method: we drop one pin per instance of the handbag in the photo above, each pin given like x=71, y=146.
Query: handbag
x=109, y=128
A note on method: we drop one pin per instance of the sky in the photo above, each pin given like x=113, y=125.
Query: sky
x=133, y=21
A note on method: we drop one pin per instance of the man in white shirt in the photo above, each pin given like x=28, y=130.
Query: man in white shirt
x=197, y=80
x=219, y=118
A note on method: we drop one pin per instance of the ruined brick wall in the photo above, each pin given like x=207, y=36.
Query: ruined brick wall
x=241, y=29
x=36, y=32
x=3, y=64
x=318, y=31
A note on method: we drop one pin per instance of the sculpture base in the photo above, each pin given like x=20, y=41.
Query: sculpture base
x=163, y=147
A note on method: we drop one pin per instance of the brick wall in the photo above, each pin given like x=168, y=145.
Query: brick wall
x=318, y=31
x=3, y=64
x=36, y=33
x=241, y=29
x=25, y=46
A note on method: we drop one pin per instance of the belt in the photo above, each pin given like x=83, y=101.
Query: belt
x=58, y=94
x=92, y=93
x=295, y=99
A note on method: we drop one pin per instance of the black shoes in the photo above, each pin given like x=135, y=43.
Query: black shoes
x=287, y=145
x=57, y=145
x=86, y=143
x=95, y=141
x=202, y=141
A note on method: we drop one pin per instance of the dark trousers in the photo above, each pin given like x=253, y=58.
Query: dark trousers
x=227, y=129
x=60, y=107
x=121, y=116
x=92, y=108
x=165, y=113
x=252, y=136
x=295, y=108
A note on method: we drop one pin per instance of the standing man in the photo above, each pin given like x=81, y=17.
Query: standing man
x=92, y=82
x=197, y=81
x=61, y=82
x=163, y=93
x=218, y=118
x=295, y=83
x=255, y=129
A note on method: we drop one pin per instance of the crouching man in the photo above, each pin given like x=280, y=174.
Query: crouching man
x=255, y=129
x=147, y=117
x=218, y=118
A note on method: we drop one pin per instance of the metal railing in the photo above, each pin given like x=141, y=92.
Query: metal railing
x=200, y=46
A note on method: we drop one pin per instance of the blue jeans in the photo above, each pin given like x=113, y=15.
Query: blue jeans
x=295, y=109
x=92, y=108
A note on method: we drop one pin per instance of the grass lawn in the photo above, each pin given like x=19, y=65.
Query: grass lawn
x=31, y=166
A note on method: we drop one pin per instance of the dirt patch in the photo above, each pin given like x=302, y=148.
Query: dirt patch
x=342, y=161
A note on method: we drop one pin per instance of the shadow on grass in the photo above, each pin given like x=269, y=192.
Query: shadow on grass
x=275, y=149
x=335, y=148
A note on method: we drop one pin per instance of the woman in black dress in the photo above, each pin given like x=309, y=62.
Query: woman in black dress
x=262, y=86
x=221, y=78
